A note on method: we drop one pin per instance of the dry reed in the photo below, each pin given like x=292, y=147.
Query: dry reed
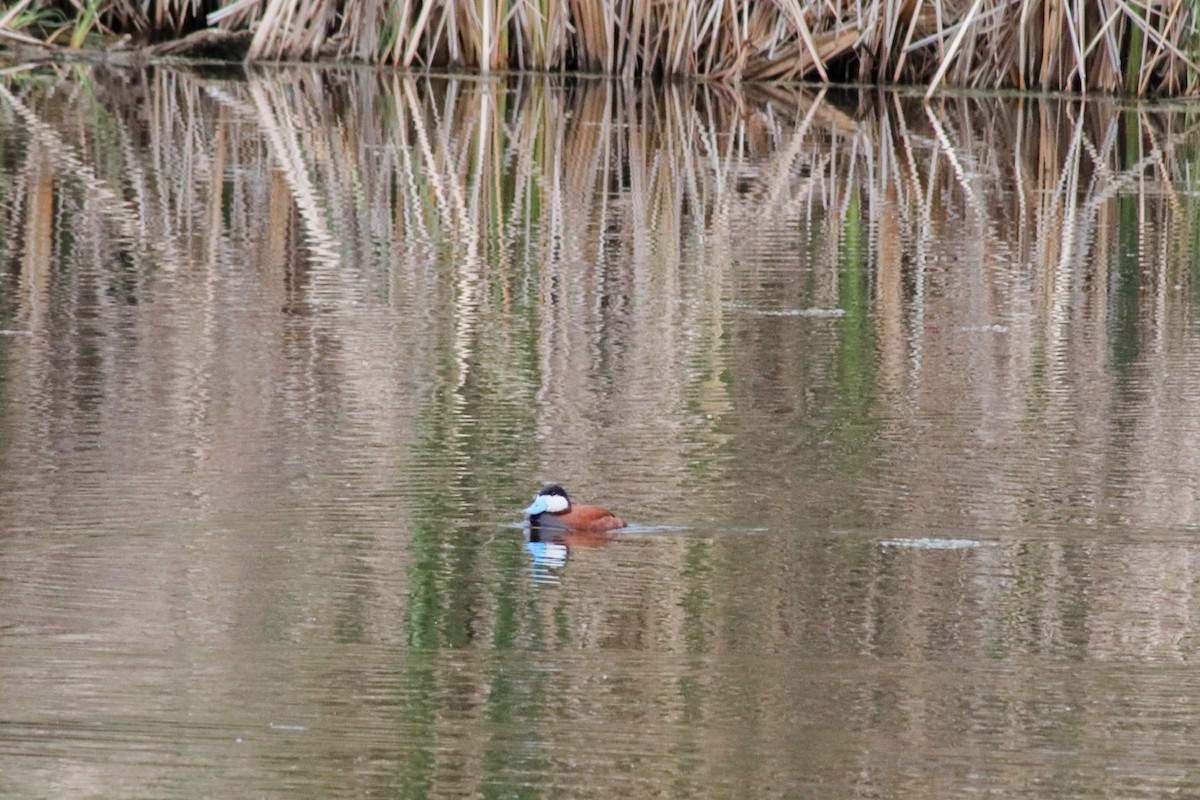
x=1125, y=46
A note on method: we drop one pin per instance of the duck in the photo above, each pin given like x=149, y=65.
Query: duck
x=553, y=506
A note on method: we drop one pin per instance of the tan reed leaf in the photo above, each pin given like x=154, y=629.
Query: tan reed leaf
x=793, y=10
x=954, y=46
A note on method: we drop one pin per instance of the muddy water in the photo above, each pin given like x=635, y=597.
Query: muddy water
x=900, y=401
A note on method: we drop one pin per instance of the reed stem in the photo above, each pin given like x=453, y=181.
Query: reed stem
x=1137, y=46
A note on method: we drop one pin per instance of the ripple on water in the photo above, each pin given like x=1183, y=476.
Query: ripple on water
x=913, y=505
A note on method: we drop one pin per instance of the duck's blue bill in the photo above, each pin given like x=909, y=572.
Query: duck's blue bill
x=537, y=506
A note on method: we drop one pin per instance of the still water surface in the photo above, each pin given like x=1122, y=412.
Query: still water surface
x=900, y=400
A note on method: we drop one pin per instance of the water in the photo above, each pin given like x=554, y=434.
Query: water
x=899, y=401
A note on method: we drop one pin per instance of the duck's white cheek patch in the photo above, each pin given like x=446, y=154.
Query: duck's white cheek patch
x=556, y=503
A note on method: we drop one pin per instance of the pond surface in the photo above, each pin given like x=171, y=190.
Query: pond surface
x=900, y=400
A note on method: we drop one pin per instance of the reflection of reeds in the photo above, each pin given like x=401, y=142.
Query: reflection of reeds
x=606, y=223
x=476, y=170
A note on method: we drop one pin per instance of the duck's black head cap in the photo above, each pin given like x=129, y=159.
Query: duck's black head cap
x=554, y=490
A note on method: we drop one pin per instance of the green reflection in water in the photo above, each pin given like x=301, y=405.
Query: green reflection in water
x=432, y=536
x=476, y=436
x=695, y=603
x=688, y=752
x=1125, y=326
x=416, y=765
x=853, y=425
x=424, y=597
x=562, y=626
x=350, y=623
x=515, y=706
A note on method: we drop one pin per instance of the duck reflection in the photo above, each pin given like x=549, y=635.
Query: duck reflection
x=549, y=546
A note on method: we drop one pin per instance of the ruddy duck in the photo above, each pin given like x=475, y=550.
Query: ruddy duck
x=553, y=507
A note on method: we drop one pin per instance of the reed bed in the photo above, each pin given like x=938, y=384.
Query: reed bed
x=1129, y=46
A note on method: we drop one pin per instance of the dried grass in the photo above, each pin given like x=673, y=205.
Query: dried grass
x=1131, y=46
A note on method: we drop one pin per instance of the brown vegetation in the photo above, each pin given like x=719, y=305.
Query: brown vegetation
x=1077, y=45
